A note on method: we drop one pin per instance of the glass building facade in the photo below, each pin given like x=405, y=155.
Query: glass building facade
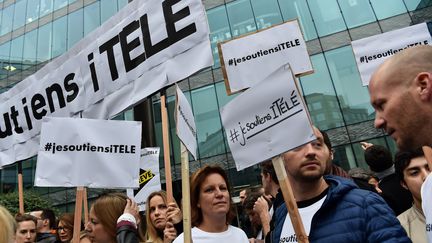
x=33, y=32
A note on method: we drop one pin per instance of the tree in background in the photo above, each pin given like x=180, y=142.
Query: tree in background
x=32, y=201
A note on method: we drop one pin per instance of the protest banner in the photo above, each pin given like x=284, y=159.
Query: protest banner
x=91, y=153
x=370, y=52
x=185, y=123
x=135, y=53
x=149, y=177
x=266, y=120
x=249, y=59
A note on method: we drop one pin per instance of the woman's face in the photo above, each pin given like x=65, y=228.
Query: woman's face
x=65, y=234
x=26, y=232
x=158, y=209
x=96, y=231
x=214, y=198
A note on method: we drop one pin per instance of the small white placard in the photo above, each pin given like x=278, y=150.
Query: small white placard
x=370, y=52
x=249, y=59
x=90, y=153
x=266, y=120
x=186, y=128
x=149, y=177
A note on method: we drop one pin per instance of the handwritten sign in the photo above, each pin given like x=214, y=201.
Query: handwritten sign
x=370, y=52
x=149, y=177
x=186, y=128
x=91, y=153
x=266, y=120
x=249, y=59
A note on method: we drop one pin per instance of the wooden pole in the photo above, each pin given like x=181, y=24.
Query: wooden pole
x=86, y=216
x=165, y=138
x=428, y=155
x=290, y=201
x=186, y=207
x=78, y=214
x=20, y=188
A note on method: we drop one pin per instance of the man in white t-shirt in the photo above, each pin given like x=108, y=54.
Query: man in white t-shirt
x=401, y=94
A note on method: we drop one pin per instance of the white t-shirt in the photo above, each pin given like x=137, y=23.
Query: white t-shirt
x=426, y=194
x=232, y=234
x=306, y=214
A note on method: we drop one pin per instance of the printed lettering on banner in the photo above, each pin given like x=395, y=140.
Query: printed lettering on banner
x=266, y=120
x=370, y=52
x=249, y=59
x=149, y=177
x=185, y=121
x=126, y=59
x=90, y=153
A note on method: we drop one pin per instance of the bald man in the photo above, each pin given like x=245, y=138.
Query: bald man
x=401, y=94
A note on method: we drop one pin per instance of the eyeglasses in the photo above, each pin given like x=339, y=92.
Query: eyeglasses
x=62, y=228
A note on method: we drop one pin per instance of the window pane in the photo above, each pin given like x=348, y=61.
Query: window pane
x=354, y=98
x=223, y=99
x=219, y=29
x=6, y=24
x=209, y=129
x=59, y=36
x=58, y=4
x=292, y=9
x=44, y=43
x=17, y=50
x=327, y=16
x=91, y=17
x=388, y=8
x=19, y=16
x=266, y=13
x=241, y=17
x=108, y=9
x=46, y=7
x=320, y=95
x=32, y=10
x=357, y=12
x=4, y=61
x=75, y=27
x=122, y=3
x=30, y=41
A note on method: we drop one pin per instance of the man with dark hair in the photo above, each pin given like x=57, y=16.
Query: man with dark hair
x=46, y=222
x=380, y=162
x=412, y=170
x=331, y=168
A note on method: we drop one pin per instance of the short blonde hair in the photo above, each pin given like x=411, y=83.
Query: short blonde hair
x=7, y=226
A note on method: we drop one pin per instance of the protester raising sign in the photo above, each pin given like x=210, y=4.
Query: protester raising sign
x=185, y=121
x=135, y=53
x=249, y=59
x=91, y=153
x=266, y=120
x=370, y=52
x=149, y=177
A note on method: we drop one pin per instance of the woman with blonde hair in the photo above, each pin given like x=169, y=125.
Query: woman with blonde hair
x=7, y=225
x=164, y=220
x=212, y=208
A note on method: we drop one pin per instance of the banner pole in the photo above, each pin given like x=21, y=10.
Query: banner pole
x=186, y=207
x=428, y=155
x=290, y=201
x=165, y=138
x=20, y=188
x=86, y=216
x=78, y=214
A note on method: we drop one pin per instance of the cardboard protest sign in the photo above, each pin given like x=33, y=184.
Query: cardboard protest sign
x=266, y=120
x=138, y=51
x=185, y=121
x=370, y=52
x=149, y=177
x=90, y=153
x=249, y=59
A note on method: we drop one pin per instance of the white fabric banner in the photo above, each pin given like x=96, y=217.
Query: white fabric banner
x=266, y=120
x=90, y=153
x=146, y=46
x=249, y=59
x=185, y=121
x=370, y=52
x=149, y=177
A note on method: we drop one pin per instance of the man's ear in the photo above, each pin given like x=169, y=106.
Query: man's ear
x=423, y=83
x=403, y=184
x=45, y=222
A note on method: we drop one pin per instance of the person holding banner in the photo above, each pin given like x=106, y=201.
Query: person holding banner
x=332, y=209
x=164, y=220
x=212, y=208
x=113, y=219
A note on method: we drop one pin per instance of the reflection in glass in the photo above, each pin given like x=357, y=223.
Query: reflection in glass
x=17, y=50
x=75, y=27
x=91, y=17
x=240, y=17
x=32, y=10
x=327, y=16
x=20, y=14
x=219, y=30
x=353, y=97
x=122, y=3
x=388, y=8
x=30, y=41
x=46, y=7
x=59, y=36
x=7, y=18
x=292, y=9
x=357, y=12
x=108, y=9
x=58, y=4
x=266, y=13
x=44, y=43
x=4, y=61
